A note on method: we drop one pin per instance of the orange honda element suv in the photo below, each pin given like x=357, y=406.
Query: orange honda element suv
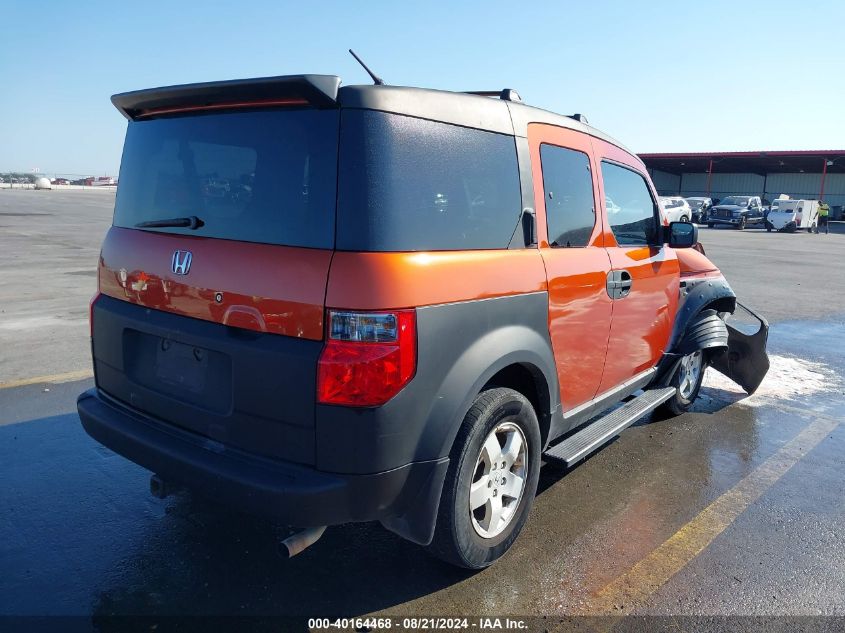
x=328, y=304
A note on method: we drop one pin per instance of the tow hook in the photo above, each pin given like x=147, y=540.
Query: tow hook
x=159, y=488
x=296, y=543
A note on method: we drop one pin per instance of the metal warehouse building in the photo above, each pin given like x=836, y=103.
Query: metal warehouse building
x=815, y=175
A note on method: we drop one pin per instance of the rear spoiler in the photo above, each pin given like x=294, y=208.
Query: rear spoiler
x=319, y=91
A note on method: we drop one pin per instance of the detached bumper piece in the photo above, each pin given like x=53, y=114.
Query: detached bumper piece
x=294, y=494
x=745, y=360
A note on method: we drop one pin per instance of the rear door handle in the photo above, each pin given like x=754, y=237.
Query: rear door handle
x=619, y=283
x=625, y=283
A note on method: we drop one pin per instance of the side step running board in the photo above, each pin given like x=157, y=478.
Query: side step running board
x=596, y=434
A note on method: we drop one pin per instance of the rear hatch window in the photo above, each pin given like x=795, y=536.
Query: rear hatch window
x=248, y=176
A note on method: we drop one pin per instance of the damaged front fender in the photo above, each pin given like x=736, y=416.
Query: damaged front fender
x=745, y=360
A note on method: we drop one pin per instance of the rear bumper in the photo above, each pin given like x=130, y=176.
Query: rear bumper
x=291, y=493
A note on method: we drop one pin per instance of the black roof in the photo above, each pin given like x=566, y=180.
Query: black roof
x=504, y=116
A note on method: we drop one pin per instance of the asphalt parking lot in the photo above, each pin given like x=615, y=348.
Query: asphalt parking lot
x=735, y=509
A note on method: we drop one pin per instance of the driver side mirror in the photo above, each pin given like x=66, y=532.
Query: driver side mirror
x=682, y=235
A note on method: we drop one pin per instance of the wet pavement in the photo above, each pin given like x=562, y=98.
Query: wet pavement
x=717, y=512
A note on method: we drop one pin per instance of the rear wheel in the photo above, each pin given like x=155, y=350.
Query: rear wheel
x=687, y=382
x=491, y=481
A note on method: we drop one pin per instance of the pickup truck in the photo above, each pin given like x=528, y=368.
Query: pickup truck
x=737, y=211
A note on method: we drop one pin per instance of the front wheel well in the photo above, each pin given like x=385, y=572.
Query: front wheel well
x=530, y=382
x=724, y=304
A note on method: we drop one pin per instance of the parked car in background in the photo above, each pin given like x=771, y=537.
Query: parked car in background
x=700, y=207
x=793, y=215
x=737, y=211
x=675, y=209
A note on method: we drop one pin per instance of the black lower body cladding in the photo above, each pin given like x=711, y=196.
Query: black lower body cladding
x=460, y=347
x=240, y=388
x=296, y=495
x=266, y=448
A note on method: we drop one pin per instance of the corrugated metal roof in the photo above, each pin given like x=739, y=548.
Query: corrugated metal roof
x=764, y=162
x=802, y=152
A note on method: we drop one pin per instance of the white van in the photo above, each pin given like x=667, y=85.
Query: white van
x=793, y=215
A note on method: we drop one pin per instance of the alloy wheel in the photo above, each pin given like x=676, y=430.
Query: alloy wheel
x=498, y=481
x=690, y=372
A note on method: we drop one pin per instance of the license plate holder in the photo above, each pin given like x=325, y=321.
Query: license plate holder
x=181, y=365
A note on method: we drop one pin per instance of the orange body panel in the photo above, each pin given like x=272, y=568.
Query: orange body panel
x=642, y=321
x=579, y=306
x=250, y=277
x=692, y=262
x=377, y=281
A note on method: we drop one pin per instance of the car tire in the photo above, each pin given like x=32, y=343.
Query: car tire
x=474, y=539
x=741, y=225
x=684, y=218
x=687, y=382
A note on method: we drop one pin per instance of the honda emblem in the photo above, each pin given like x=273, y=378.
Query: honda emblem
x=181, y=264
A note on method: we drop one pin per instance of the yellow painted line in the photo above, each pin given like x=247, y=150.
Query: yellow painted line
x=634, y=586
x=51, y=379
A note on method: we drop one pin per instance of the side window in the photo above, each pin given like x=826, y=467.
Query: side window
x=568, y=187
x=633, y=218
x=409, y=184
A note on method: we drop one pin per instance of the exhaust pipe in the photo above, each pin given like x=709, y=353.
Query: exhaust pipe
x=296, y=543
x=159, y=488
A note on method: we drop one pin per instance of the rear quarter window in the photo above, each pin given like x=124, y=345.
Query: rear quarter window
x=259, y=176
x=409, y=184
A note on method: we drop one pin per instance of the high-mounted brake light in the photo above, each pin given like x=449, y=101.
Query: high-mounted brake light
x=368, y=357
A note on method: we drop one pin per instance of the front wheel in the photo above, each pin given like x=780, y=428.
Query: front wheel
x=684, y=218
x=491, y=482
x=741, y=225
x=687, y=382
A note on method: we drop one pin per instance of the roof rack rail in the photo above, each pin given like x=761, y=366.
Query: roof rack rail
x=507, y=94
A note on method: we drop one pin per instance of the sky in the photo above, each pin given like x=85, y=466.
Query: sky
x=659, y=76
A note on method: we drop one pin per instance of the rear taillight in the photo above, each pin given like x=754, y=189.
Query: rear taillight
x=368, y=357
x=91, y=312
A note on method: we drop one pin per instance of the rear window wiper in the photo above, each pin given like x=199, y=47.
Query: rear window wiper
x=191, y=222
